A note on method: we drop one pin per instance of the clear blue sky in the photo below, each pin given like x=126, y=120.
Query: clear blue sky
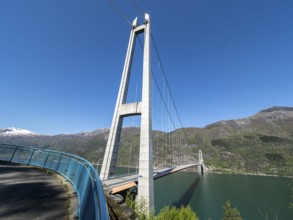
x=61, y=60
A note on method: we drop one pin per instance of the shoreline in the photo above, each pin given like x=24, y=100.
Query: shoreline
x=211, y=170
x=229, y=171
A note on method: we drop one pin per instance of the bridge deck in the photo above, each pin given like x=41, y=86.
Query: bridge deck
x=121, y=183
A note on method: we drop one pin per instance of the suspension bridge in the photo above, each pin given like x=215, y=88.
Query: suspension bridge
x=146, y=175
x=162, y=150
x=118, y=184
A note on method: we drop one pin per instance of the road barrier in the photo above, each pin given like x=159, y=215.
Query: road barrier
x=80, y=172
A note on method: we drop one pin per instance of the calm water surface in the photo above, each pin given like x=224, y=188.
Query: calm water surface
x=255, y=196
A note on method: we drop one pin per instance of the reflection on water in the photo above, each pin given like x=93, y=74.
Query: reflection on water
x=255, y=196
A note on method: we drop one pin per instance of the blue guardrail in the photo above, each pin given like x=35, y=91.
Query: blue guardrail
x=80, y=172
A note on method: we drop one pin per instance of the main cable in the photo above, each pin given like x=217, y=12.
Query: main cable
x=165, y=78
x=119, y=12
x=160, y=62
x=137, y=7
x=125, y=18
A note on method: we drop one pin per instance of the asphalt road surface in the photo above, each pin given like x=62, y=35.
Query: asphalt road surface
x=28, y=193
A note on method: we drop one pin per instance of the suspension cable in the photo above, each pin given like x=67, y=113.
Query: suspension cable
x=137, y=7
x=119, y=12
x=160, y=93
x=160, y=62
x=170, y=114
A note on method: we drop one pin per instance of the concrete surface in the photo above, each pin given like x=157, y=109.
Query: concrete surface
x=28, y=193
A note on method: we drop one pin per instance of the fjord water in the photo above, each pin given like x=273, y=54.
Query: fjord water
x=256, y=197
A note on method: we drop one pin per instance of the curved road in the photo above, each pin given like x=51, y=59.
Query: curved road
x=28, y=193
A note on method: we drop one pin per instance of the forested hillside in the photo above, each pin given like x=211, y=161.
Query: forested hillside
x=262, y=143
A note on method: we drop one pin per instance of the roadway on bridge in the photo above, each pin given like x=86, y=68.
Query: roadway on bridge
x=27, y=193
x=121, y=183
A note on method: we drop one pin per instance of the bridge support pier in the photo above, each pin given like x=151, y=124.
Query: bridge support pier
x=143, y=108
x=201, y=167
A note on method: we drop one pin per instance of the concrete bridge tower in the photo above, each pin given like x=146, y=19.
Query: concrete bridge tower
x=143, y=108
x=200, y=163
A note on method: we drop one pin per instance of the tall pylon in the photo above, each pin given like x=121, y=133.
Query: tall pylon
x=201, y=167
x=143, y=108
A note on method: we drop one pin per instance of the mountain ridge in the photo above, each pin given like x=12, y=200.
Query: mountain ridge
x=271, y=113
x=261, y=143
x=13, y=131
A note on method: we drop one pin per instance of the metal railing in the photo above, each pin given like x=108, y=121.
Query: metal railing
x=80, y=172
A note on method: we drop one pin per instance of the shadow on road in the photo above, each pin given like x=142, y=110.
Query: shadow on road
x=27, y=193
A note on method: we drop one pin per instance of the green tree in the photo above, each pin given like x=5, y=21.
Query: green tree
x=129, y=201
x=187, y=213
x=173, y=213
x=170, y=213
x=231, y=213
x=139, y=207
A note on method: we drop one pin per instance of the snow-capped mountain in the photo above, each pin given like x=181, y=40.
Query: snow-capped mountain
x=7, y=132
x=15, y=132
x=95, y=132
